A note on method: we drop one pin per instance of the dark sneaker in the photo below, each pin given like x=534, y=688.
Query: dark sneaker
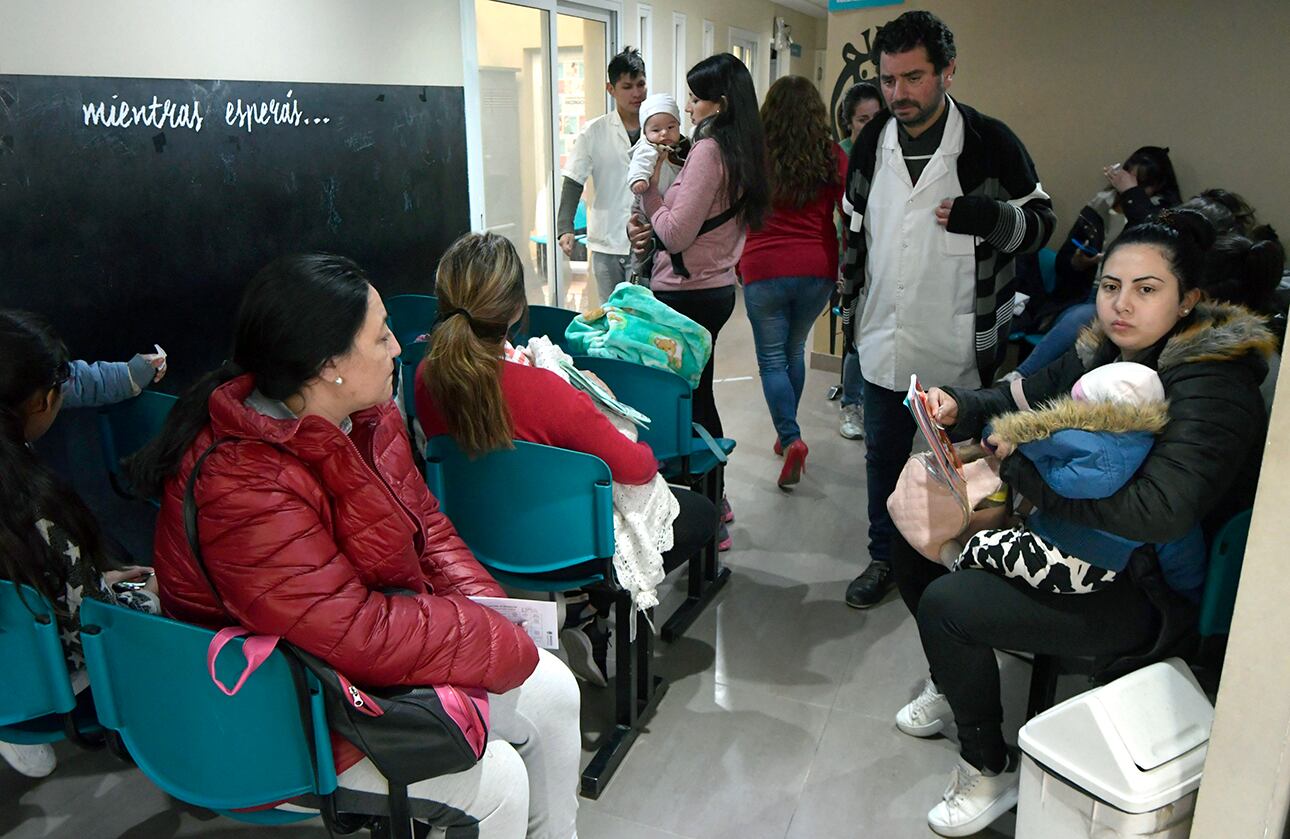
x=587, y=649
x=871, y=586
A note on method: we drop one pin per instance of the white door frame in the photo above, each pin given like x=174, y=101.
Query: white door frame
x=470, y=89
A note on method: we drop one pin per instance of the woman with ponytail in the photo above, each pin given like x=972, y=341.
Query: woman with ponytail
x=315, y=525
x=468, y=388
x=49, y=539
x=1202, y=467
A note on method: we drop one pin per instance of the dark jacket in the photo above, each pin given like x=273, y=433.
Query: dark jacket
x=994, y=169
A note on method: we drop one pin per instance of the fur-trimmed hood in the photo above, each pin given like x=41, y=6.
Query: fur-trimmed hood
x=1214, y=332
x=1066, y=413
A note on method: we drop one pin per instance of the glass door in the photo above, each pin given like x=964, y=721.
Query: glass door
x=585, y=39
x=513, y=46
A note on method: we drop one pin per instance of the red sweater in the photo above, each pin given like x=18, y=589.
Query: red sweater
x=798, y=242
x=548, y=410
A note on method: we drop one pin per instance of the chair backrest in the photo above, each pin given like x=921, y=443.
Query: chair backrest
x=527, y=510
x=1048, y=269
x=222, y=752
x=408, y=361
x=411, y=315
x=551, y=322
x=125, y=427
x=31, y=657
x=661, y=395
x=1226, y=556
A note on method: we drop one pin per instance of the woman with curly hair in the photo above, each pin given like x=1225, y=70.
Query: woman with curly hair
x=790, y=265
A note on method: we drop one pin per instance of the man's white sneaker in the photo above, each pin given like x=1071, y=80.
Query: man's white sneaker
x=973, y=800
x=35, y=761
x=927, y=714
x=852, y=425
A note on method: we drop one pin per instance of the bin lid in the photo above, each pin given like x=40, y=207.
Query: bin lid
x=1138, y=743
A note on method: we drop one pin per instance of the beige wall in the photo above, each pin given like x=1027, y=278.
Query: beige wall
x=391, y=42
x=1083, y=84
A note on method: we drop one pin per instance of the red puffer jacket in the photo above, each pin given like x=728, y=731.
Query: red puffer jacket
x=303, y=527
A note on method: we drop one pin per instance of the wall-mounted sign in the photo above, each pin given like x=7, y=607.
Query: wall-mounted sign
x=844, y=5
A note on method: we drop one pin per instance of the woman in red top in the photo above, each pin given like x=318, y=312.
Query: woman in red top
x=315, y=525
x=466, y=389
x=790, y=265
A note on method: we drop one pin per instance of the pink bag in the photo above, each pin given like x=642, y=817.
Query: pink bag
x=929, y=513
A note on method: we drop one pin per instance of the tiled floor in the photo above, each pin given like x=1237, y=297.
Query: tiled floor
x=778, y=722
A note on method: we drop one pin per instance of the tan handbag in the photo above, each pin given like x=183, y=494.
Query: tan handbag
x=929, y=512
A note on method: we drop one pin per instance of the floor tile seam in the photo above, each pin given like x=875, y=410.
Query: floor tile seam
x=760, y=689
x=815, y=756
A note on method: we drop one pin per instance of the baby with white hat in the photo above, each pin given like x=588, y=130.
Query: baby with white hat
x=661, y=131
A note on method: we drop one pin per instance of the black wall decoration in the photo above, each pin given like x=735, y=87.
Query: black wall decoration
x=134, y=211
x=857, y=66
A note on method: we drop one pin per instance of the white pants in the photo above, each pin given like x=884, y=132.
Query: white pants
x=526, y=785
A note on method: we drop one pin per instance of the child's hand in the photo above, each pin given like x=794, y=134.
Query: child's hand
x=639, y=186
x=1001, y=448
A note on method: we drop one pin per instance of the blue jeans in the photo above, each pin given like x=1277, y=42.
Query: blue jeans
x=852, y=379
x=1059, y=339
x=889, y=437
x=782, y=311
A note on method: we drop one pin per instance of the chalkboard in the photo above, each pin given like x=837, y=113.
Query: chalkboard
x=134, y=211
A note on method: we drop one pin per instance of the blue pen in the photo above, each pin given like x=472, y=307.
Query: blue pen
x=1083, y=247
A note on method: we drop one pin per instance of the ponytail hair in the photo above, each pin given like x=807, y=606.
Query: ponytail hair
x=297, y=314
x=480, y=285
x=34, y=362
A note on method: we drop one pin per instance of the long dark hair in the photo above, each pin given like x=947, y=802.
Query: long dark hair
x=798, y=144
x=738, y=131
x=1155, y=171
x=297, y=314
x=1240, y=270
x=33, y=361
x=480, y=284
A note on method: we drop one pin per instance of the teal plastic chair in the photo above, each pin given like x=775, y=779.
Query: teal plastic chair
x=225, y=753
x=1048, y=275
x=411, y=315
x=37, y=704
x=550, y=321
x=1226, y=556
x=534, y=509
x=687, y=453
x=125, y=427
x=412, y=355
x=579, y=227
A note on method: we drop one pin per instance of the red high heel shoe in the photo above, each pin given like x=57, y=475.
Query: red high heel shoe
x=794, y=464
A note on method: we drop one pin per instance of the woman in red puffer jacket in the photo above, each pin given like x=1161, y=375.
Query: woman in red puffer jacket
x=316, y=525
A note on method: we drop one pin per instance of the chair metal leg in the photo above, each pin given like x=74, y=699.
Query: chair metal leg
x=707, y=576
x=1043, y=684
x=637, y=692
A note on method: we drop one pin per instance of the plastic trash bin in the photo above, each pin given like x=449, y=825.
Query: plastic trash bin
x=1124, y=759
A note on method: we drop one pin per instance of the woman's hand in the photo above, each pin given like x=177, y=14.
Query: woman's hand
x=597, y=381
x=942, y=407
x=1120, y=178
x=639, y=232
x=1083, y=262
x=1001, y=448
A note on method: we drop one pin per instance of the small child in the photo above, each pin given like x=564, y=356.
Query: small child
x=1086, y=446
x=661, y=134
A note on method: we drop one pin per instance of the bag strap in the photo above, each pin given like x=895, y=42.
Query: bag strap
x=256, y=648
x=190, y=518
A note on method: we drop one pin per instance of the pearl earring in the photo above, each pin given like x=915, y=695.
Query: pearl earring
x=339, y=380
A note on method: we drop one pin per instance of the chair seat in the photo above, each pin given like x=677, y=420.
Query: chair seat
x=50, y=728
x=527, y=583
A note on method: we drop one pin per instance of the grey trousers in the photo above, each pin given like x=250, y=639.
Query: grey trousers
x=609, y=269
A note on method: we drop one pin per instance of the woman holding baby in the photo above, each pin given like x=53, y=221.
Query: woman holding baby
x=1200, y=465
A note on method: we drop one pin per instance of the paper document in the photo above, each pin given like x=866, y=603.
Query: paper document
x=943, y=460
x=538, y=617
x=597, y=393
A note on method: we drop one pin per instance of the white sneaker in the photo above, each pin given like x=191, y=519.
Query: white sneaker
x=973, y=800
x=35, y=761
x=927, y=714
x=852, y=426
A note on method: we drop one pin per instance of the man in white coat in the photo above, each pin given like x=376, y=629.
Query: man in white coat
x=601, y=154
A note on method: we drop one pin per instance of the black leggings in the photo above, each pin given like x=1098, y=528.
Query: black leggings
x=963, y=617
x=709, y=308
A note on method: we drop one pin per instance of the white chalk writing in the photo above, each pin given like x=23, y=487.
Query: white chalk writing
x=117, y=113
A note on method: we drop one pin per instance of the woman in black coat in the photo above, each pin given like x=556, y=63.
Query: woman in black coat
x=1210, y=358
